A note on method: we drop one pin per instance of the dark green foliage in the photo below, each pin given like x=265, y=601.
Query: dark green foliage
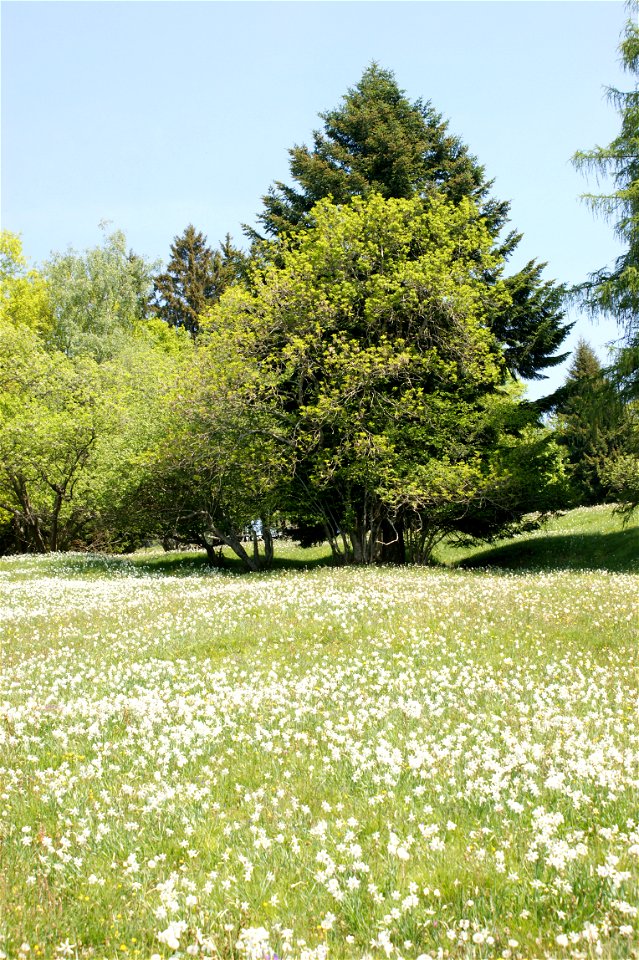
x=616, y=291
x=592, y=424
x=530, y=330
x=195, y=278
x=378, y=142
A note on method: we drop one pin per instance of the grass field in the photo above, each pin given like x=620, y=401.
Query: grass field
x=316, y=762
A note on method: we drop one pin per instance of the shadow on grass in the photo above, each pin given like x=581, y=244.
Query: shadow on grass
x=617, y=551
x=180, y=564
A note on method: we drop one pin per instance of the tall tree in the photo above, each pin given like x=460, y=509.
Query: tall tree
x=385, y=381
x=379, y=142
x=615, y=291
x=195, y=278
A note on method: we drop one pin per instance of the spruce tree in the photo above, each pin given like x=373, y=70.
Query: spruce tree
x=195, y=278
x=377, y=141
x=592, y=424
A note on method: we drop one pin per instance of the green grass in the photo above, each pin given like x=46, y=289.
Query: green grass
x=382, y=762
x=590, y=538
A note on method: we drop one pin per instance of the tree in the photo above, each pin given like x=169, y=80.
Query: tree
x=213, y=468
x=615, y=291
x=370, y=352
x=195, y=278
x=98, y=298
x=49, y=421
x=379, y=142
x=83, y=376
x=24, y=293
x=592, y=424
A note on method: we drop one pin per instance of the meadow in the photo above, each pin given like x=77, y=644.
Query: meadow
x=323, y=763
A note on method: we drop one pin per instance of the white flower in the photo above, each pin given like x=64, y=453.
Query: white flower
x=171, y=936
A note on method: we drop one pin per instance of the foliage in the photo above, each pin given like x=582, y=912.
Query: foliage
x=98, y=298
x=371, y=335
x=380, y=142
x=621, y=474
x=76, y=423
x=24, y=294
x=615, y=291
x=196, y=276
x=592, y=424
x=50, y=417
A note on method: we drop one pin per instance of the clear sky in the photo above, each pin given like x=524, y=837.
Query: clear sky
x=153, y=115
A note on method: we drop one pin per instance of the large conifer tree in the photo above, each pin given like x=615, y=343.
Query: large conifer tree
x=195, y=278
x=377, y=141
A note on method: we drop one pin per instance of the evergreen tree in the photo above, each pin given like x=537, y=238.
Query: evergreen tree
x=378, y=142
x=592, y=425
x=616, y=291
x=195, y=278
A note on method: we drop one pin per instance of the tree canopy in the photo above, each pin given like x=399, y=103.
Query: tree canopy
x=354, y=377
x=371, y=331
x=378, y=142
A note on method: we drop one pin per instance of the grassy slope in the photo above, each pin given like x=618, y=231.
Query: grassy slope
x=590, y=538
x=138, y=703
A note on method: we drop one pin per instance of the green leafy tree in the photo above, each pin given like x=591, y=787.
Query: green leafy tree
x=379, y=371
x=98, y=298
x=615, y=291
x=592, y=424
x=378, y=142
x=49, y=421
x=214, y=468
x=195, y=277
x=83, y=375
x=24, y=294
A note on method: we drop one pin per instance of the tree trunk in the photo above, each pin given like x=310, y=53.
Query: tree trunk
x=237, y=547
x=268, y=544
x=391, y=542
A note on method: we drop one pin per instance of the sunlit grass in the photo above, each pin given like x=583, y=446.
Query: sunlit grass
x=382, y=762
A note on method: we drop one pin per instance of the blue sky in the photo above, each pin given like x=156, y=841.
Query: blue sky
x=153, y=115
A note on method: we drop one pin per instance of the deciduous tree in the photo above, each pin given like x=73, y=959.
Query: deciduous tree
x=379, y=366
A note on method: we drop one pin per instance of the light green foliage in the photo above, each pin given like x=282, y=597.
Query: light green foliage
x=215, y=467
x=374, y=762
x=370, y=342
x=24, y=293
x=76, y=424
x=98, y=298
x=621, y=474
x=50, y=417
